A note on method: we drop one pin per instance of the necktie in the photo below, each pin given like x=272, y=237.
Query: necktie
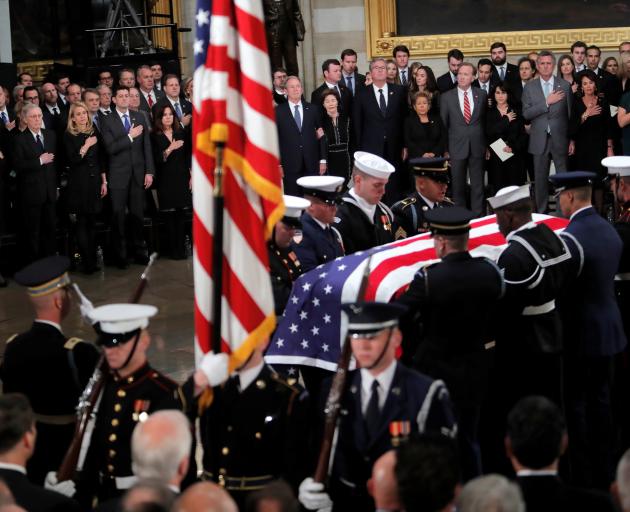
x=547, y=88
x=150, y=100
x=55, y=111
x=126, y=122
x=178, y=110
x=467, y=114
x=381, y=102
x=403, y=78
x=372, y=413
x=40, y=143
x=502, y=73
x=95, y=120
x=5, y=119
x=107, y=112
x=349, y=84
x=297, y=117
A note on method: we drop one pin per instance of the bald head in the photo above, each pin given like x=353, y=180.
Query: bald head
x=205, y=497
x=382, y=485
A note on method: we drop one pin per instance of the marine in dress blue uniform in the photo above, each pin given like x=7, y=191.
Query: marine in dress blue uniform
x=593, y=332
x=431, y=179
x=321, y=241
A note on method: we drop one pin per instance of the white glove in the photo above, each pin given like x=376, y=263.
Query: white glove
x=86, y=305
x=215, y=368
x=311, y=494
x=67, y=488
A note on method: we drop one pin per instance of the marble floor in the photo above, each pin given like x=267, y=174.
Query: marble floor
x=170, y=289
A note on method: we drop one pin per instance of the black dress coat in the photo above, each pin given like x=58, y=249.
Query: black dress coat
x=546, y=493
x=284, y=269
x=84, y=181
x=339, y=146
x=512, y=171
x=421, y=138
x=33, y=497
x=37, y=183
x=173, y=174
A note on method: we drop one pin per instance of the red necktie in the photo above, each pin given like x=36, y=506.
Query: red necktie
x=467, y=114
x=149, y=100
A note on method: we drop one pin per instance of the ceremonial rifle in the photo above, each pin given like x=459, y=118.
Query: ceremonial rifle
x=90, y=395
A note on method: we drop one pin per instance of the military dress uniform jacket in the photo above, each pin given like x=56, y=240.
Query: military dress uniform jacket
x=123, y=403
x=413, y=398
x=317, y=245
x=536, y=265
x=52, y=371
x=622, y=279
x=360, y=233
x=409, y=215
x=455, y=301
x=253, y=436
x=284, y=268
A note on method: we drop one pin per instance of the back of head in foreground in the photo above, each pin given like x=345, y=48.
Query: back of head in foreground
x=205, y=497
x=490, y=493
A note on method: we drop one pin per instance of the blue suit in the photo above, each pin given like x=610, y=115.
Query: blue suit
x=317, y=245
x=593, y=334
x=412, y=397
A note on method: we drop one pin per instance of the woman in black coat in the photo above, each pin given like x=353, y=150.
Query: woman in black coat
x=87, y=181
x=424, y=132
x=172, y=163
x=504, y=122
x=338, y=133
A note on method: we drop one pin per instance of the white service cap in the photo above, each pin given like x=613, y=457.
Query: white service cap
x=373, y=165
x=122, y=318
x=294, y=205
x=617, y=165
x=509, y=195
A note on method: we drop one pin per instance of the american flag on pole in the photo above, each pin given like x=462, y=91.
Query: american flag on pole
x=231, y=98
x=311, y=329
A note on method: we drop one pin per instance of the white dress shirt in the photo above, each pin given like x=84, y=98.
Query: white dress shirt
x=430, y=204
x=378, y=94
x=460, y=96
x=146, y=97
x=300, y=110
x=368, y=209
x=246, y=377
x=384, y=379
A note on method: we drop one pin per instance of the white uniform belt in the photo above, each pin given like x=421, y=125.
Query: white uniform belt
x=122, y=483
x=623, y=277
x=539, y=310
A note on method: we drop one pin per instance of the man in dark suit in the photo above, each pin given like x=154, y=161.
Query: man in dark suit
x=105, y=99
x=34, y=155
x=331, y=68
x=279, y=92
x=181, y=107
x=302, y=145
x=547, y=106
x=463, y=112
x=448, y=80
x=485, y=79
x=607, y=84
x=126, y=139
x=321, y=241
x=381, y=396
x=149, y=95
x=17, y=442
x=55, y=114
x=378, y=115
x=578, y=53
x=7, y=116
x=92, y=101
x=502, y=71
x=526, y=72
x=350, y=76
x=536, y=438
x=401, y=57
x=593, y=332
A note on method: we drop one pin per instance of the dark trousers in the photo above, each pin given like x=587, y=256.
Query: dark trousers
x=589, y=419
x=467, y=439
x=541, y=172
x=474, y=166
x=86, y=239
x=131, y=200
x=175, y=233
x=38, y=230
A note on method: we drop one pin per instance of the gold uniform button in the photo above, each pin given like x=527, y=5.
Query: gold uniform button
x=258, y=435
x=225, y=450
x=112, y=438
x=121, y=393
x=130, y=380
x=117, y=407
x=222, y=471
x=115, y=422
x=112, y=453
x=110, y=468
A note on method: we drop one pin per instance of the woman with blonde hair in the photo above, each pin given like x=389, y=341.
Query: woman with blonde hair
x=87, y=181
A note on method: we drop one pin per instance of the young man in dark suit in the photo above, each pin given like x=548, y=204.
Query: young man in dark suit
x=331, y=69
x=503, y=71
x=350, y=76
x=448, y=80
x=181, y=107
x=126, y=139
x=149, y=95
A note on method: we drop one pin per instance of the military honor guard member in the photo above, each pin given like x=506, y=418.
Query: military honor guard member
x=381, y=399
x=432, y=179
x=362, y=219
x=284, y=264
x=455, y=301
x=256, y=429
x=49, y=368
x=321, y=241
x=132, y=390
x=593, y=332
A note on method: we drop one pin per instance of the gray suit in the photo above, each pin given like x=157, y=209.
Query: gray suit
x=548, y=136
x=466, y=146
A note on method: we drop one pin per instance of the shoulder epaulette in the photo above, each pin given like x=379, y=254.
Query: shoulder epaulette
x=447, y=200
x=71, y=343
x=12, y=338
x=404, y=203
x=280, y=380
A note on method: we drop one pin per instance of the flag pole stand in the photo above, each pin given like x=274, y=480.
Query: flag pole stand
x=218, y=135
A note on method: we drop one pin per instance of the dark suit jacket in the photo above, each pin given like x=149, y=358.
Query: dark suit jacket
x=58, y=123
x=358, y=81
x=377, y=133
x=300, y=152
x=548, y=494
x=37, y=183
x=595, y=326
x=33, y=498
x=445, y=82
x=345, y=102
x=512, y=75
x=144, y=105
x=184, y=105
x=278, y=98
x=464, y=140
x=316, y=247
x=127, y=160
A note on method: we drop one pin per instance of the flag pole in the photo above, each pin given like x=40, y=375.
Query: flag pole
x=218, y=135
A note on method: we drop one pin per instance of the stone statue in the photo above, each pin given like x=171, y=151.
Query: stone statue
x=285, y=27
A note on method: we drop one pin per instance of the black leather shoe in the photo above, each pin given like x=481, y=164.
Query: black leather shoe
x=3, y=282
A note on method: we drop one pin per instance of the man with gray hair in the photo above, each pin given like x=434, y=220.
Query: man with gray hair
x=621, y=485
x=490, y=492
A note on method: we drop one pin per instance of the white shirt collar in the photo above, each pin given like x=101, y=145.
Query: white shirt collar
x=13, y=467
x=281, y=93
x=537, y=472
x=529, y=225
x=35, y=134
x=146, y=94
x=384, y=379
x=176, y=100
x=246, y=377
x=51, y=107
x=376, y=89
x=462, y=91
x=580, y=210
x=104, y=110
x=430, y=203
x=120, y=114
x=550, y=81
x=293, y=105
x=331, y=86
x=48, y=322
x=368, y=208
x=320, y=223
